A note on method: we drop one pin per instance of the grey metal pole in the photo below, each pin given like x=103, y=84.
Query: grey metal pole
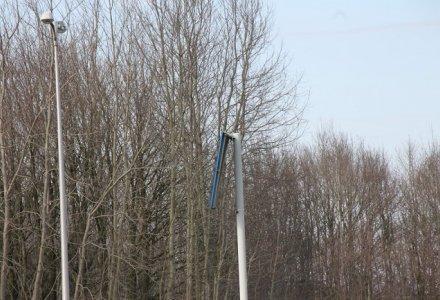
x=241, y=235
x=63, y=203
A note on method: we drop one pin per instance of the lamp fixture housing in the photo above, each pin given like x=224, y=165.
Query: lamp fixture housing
x=46, y=17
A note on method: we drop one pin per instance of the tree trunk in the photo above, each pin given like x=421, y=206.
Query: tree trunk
x=6, y=218
x=36, y=294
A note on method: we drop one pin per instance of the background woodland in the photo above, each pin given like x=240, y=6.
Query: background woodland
x=146, y=88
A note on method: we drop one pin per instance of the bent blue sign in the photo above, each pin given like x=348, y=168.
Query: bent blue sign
x=216, y=173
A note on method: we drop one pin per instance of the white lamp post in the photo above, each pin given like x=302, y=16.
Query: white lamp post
x=56, y=28
x=239, y=205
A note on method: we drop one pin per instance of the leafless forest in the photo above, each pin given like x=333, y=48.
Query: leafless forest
x=146, y=88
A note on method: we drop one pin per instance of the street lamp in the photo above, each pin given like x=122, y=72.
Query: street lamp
x=56, y=28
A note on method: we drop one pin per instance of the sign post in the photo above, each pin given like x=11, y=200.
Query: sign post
x=239, y=202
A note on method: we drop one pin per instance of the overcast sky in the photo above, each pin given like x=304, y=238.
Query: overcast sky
x=372, y=67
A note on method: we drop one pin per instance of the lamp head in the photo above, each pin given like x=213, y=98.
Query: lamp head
x=46, y=17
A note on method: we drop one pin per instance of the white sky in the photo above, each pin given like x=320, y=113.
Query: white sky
x=372, y=67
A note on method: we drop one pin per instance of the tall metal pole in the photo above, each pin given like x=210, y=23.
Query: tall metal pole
x=241, y=235
x=63, y=203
